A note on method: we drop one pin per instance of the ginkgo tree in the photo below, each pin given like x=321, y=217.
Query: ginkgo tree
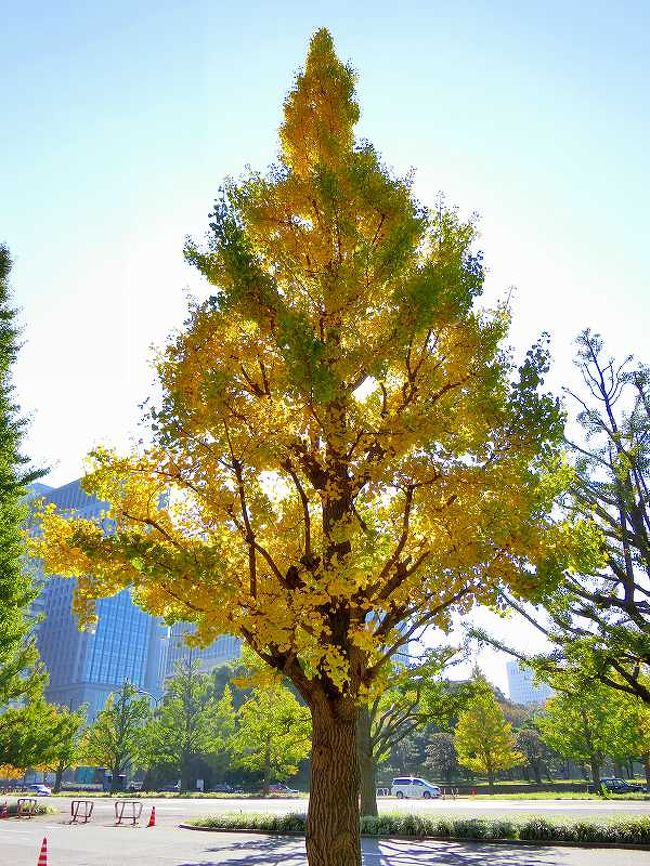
x=272, y=734
x=342, y=451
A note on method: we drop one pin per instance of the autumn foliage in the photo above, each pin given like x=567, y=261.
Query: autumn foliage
x=343, y=450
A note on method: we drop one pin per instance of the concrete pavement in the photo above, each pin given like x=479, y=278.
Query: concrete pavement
x=100, y=845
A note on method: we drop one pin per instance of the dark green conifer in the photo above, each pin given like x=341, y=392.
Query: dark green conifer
x=18, y=656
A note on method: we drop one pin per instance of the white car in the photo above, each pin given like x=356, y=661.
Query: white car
x=412, y=786
x=39, y=790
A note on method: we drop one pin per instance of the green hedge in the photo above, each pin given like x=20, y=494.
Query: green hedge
x=533, y=829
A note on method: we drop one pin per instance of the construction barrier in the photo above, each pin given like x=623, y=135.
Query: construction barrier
x=25, y=807
x=81, y=811
x=152, y=817
x=128, y=810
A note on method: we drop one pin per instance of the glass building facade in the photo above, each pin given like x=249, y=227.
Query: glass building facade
x=84, y=667
x=522, y=688
x=221, y=650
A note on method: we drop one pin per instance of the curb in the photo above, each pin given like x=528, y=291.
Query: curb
x=545, y=843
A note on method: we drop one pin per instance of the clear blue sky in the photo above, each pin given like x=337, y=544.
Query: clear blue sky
x=120, y=119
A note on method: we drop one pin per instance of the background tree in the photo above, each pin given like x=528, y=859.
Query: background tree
x=38, y=735
x=598, y=619
x=529, y=742
x=415, y=696
x=346, y=448
x=272, y=733
x=114, y=739
x=18, y=655
x=441, y=756
x=189, y=723
x=630, y=731
x=583, y=724
x=483, y=738
x=63, y=748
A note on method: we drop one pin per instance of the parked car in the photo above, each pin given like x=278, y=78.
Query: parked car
x=222, y=788
x=618, y=786
x=38, y=790
x=134, y=786
x=279, y=788
x=172, y=789
x=412, y=786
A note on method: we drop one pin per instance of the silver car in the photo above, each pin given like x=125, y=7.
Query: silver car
x=414, y=787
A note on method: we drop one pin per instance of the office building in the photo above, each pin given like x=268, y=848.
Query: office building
x=84, y=667
x=223, y=649
x=521, y=687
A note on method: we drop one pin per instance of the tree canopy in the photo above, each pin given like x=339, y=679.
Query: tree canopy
x=272, y=733
x=598, y=617
x=115, y=738
x=483, y=738
x=343, y=449
x=190, y=722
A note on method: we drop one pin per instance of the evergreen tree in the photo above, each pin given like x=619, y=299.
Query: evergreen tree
x=17, y=649
x=441, y=755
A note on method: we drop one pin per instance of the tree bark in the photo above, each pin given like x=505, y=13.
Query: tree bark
x=58, y=778
x=333, y=837
x=185, y=767
x=595, y=775
x=367, y=765
x=267, y=765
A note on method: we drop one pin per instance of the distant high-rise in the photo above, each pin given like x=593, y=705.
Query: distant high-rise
x=223, y=649
x=126, y=643
x=521, y=688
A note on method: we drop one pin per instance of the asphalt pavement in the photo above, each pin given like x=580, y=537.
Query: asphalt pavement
x=101, y=843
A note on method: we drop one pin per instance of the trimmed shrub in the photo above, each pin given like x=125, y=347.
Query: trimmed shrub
x=531, y=829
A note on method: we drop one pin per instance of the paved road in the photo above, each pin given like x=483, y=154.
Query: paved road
x=173, y=811
x=104, y=845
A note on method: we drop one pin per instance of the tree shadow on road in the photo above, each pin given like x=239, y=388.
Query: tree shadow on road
x=256, y=852
x=387, y=852
x=277, y=851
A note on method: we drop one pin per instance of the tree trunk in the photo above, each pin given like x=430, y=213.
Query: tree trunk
x=186, y=771
x=595, y=775
x=333, y=837
x=367, y=765
x=58, y=778
x=490, y=774
x=646, y=765
x=267, y=765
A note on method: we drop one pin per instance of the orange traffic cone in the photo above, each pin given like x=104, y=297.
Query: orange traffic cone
x=152, y=817
x=42, y=857
x=5, y=810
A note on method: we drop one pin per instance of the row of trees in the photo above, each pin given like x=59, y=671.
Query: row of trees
x=208, y=724
x=586, y=728
x=201, y=722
